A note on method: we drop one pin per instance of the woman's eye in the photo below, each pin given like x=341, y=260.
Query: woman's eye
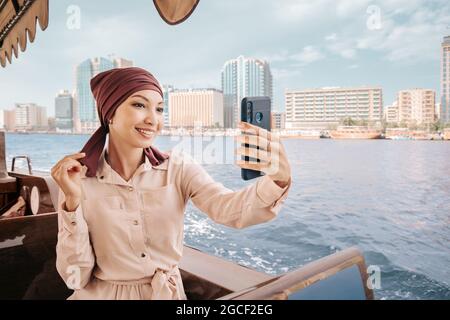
x=160, y=110
x=139, y=105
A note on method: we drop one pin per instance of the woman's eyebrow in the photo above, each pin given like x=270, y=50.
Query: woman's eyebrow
x=138, y=95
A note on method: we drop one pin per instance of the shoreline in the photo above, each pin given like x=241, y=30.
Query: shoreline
x=224, y=134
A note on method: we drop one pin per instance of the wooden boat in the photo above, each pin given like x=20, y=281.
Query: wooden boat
x=28, y=242
x=355, y=132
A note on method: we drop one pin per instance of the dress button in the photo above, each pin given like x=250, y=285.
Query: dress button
x=135, y=222
x=130, y=189
x=73, y=223
x=143, y=255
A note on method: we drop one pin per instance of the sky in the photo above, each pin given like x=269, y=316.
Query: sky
x=394, y=44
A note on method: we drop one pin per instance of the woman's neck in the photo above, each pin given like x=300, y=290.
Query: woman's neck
x=124, y=160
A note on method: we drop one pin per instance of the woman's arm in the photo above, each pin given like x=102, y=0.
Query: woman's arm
x=75, y=257
x=257, y=203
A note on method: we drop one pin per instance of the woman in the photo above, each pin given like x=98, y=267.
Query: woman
x=122, y=202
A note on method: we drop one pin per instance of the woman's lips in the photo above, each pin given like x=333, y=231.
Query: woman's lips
x=146, y=133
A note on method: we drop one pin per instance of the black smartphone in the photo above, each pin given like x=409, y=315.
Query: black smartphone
x=256, y=111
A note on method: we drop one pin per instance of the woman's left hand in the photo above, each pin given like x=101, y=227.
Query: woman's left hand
x=271, y=153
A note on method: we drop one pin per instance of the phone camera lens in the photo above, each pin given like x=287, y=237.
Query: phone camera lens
x=259, y=117
x=249, y=111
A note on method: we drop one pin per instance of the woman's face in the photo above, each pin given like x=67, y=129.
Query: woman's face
x=139, y=119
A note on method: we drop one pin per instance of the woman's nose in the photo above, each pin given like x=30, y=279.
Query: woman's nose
x=151, y=118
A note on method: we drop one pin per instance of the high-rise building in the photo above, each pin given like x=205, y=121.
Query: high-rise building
x=167, y=89
x=64, y=111
x=445, y=80
x=319, y=108
x=86, y=109
x=193, y=108
x=416, y=106
x=122, y=63
x=243, y=77
x=86, y=112
x=29, y=116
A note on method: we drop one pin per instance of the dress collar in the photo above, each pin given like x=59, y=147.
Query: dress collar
x=106, y=174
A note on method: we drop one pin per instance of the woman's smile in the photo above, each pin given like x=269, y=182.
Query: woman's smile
x=146, y=133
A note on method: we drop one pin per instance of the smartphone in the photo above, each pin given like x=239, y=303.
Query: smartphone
x=256, y=111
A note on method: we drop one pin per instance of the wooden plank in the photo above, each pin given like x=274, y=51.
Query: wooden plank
x=221, y=272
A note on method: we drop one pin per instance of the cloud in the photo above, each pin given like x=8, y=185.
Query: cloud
x=408, y=41
x=331, y=37
x=408, y=28
x=102, y=37
x=299, y=10
x=343, y=47
x=284, y=73
x=308, y=55
x=349, y=8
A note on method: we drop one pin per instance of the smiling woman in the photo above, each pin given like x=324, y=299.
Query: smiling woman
x=122, y=201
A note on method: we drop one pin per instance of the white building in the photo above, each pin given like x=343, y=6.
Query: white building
x=191, y=108
x=416, y=106
x=318, y=108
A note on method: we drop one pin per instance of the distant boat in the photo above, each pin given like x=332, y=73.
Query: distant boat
x=399, y=138
x=447, y=134
x=355, y=132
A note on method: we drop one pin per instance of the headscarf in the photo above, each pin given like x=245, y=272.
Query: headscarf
x=110, y=89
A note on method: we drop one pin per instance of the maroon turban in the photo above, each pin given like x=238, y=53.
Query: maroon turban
x=110, y=89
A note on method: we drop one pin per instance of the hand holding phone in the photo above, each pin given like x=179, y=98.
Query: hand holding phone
x=255, y=111
x=261, y=151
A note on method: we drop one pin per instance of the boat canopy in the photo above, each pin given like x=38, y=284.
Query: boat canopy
x=175, y=11
x=18, y=19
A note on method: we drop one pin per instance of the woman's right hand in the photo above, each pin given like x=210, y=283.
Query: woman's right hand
x=67, y=174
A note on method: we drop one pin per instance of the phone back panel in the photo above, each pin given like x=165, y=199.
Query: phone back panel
x=256, y=111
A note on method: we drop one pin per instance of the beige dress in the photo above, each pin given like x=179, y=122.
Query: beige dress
x=125, y=240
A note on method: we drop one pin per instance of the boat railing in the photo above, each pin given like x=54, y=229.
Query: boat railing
x=342, y=275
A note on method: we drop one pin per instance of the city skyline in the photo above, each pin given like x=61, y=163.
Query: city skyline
x=347, y=49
